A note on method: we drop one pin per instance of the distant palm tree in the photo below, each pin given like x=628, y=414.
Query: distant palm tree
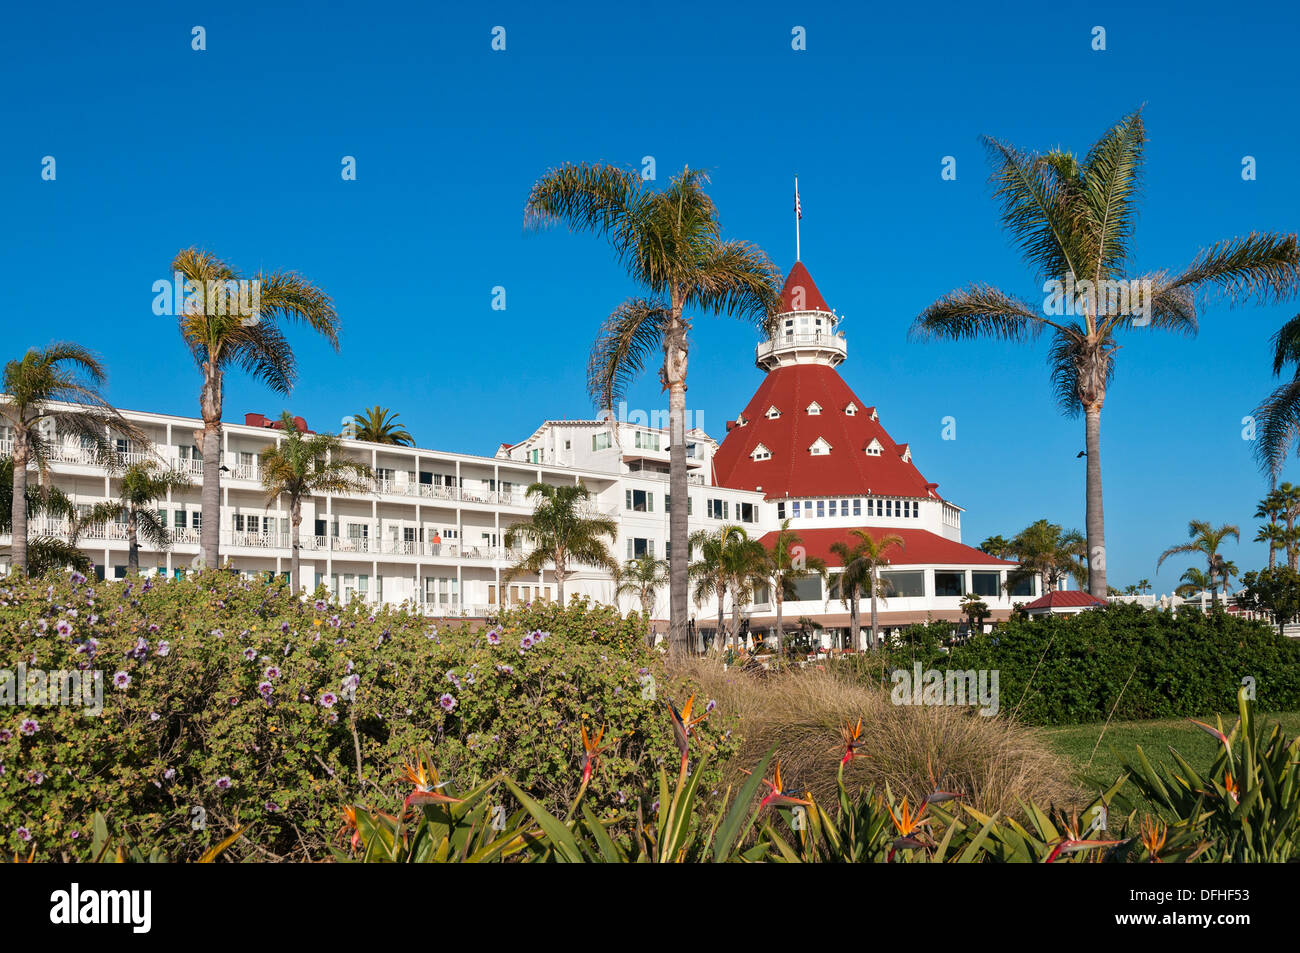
x=1074, y=220
x=52, y=392
x=44, y=552
x=1205, y=540
x=997, y=546
x=1144, y=585
x=1047, y=551
x=976, y=610
x=1195, y=581
x=561, y=534
x=643, y=577
x=862, y=558
x=143, y=485
x=1286, y=499
x=254, y=343
x=787, y=564
x=1276, y=537
x=737, y=562
x=302, y=466
x=670, y=241
x=1278, y=415
x=710, y=571
x=379, y=425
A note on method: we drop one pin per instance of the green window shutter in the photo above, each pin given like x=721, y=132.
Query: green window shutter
x=629, y=499
x=650, y=502
x=629, y=547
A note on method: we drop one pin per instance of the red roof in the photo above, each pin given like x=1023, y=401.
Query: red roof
x=799, y=292
x=847, y=470
x=920, y=547
x=1069, y=598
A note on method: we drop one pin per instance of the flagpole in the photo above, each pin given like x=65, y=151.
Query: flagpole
x=797, y=216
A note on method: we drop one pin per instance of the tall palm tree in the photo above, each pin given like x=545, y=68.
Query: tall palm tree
x=302, y=466
x=1194, y=581
x=254, y=343
x=670, y=241
x=1278, y=415
x=1045, y=550
x=143, y=485
x=1286, y=499
x=1276, y=537
x=561, y=533
x=643, y=577
x=746, y=559
x=1144, y=585
x=51, y=392
x=1073, y=220
x=862, y=558
x=379, y=425
x=1205, y=540
x=787, y=564
x=710, y=571
x=44, y=552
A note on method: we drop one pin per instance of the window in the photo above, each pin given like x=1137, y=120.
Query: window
x=871, y=507
x=568, y=445
x=889, y=507
x=857, y=507
x=1025, y=587
x=821, y=508
x=640, y=501
x=761, y=453
x=907, y=584
x=808, y=589
x=772, y=413
x=780, y=509
x=535, y=456
x=832, y=508
x=668, y=504
x=795, y=507
x=646, y=441
x=851, y=409
x=874, y=448
x=820, y=447
x=814, y=408
x=196, y=519
x=986, y=583
x=949, y=583
x=747, y=512
x=717, y=510
x=600, y=441
x=916, y=510
x=638, y=547
x=178, y=519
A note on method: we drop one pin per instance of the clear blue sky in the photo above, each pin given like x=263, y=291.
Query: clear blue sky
x=237, y=149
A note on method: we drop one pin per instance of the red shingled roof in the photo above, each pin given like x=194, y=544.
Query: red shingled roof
x=800, y=281
x=1069, y=598
x=792, y=470
x=920, y=547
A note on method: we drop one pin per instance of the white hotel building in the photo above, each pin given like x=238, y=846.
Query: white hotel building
x=431, y=528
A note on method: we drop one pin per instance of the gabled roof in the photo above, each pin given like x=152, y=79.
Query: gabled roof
x=1065, y=599
x=920, y=547
x=792, y=471
x=799, y=284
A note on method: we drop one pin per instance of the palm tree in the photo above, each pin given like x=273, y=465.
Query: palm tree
x=862, y=558
x=1195, y=581
x=1276, y=537
x=710, y=570
x=1073, y=219
x=379, y=425
x=254, y=343
x=44, y=552
x=643, y=577
x=1144, y=585
x=52, y=392
x=562, y=533
x=787, y=563
x=976, y=610
x=302, y=466
x=1045, y=550
x=731, y=563
x=747, y=565
x=1205, y=540
x=670, y=241
x=996, y=546
x=143, y=485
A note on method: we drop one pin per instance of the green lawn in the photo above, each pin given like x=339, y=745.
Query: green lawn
x=1156, y=738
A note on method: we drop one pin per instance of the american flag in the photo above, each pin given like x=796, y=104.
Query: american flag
x=798, y=207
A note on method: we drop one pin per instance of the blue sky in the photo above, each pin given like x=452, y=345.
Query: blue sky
x=237, y=149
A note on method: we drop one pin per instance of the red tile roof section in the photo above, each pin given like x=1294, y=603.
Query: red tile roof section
x=792, y=470
x=920, y=547
x=800, y=281
x=1069, y=598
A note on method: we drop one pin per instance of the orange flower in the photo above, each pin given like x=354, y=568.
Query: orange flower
x=778, y=793
x=425, y=778
x=1230, y=785
x=349, y=824
x=683, y=723
x=905, y=822
x=1153, y=837
x=852, y=741
x=591, y=750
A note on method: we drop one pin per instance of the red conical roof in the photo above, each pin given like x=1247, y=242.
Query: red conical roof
x=792, y=470
x=800, y=293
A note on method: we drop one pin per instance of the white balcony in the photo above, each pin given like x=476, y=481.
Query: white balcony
x=810, y=347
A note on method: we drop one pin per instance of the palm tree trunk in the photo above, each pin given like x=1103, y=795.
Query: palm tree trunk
x=132, y=541
x=559, y=582
x=18, y=525
x=854, y=628
x=1095, y=518
x=735, y=617
x=875, y=629
x=780, y=628
x=674, y=378
x=295, y=545
x=719, y=637
x=210, y=435
x=1272, y=556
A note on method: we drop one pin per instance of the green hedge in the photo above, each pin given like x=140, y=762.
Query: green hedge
x=244, y=715
x=1067, y=670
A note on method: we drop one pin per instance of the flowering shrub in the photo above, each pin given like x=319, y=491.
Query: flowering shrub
x=226, y=701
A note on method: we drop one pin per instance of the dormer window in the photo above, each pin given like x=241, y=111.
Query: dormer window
x=772, y=413
x=761, y=453
x=851, y=409
x=907, y=454
x=820, y=447
x=874, y=449
x=871, y=412
x=814, y=408
x=741, y=421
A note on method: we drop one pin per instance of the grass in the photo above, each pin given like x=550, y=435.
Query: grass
x=1076, y=743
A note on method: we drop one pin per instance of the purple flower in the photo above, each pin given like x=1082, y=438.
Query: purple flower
x=164, y=648
x=153, y=628
x=223, y=783
x=284, y=626
x=154, y=716
x=272, y=672
x=77, y=578
x=121, y=680
x=141, y=649
x=447, y=702
x=494, y=637
x=169, y=774
x=320, y=605
x=29, y=727
x=334, y=621
x=24, y=834
x=264, y=689
x=5, y=735
x=526, y=643
x=328, y=699
x=250, y=654
x=453, y=678
x=710, y=706
x=217, y=633
x=271, y=807
x=35, y=777
x=505, y=669
x=64, y=628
